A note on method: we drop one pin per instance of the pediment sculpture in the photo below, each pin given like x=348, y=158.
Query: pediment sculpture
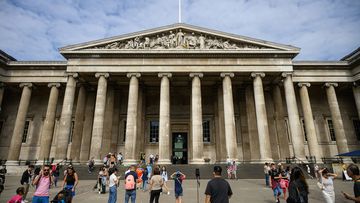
x=178, y=39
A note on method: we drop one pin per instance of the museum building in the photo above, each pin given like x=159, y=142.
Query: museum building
x=179, y=91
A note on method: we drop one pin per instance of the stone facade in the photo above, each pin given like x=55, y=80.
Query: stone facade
x=179, y=90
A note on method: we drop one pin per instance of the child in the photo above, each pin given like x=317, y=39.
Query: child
x=18, y=197
x=178, y=178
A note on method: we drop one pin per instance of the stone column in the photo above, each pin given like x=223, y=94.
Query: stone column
x=49, y=123
x=108, y=121
x=79, y=123
x=229, y=118
x=131, y=121
x=65, y=118
x=2, y=87
x=341, y=141
x=164, y=119
x=98, y=124
x=309, y=121
x=356, y=92
x=294, y=119
x=16, y=139
x=261, y=118
x=196, y=120
x=280, y=123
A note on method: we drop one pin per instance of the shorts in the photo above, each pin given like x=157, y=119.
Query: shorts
x=178, y=194
x=40, y=199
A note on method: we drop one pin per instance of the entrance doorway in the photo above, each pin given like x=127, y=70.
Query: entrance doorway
x=179, y=148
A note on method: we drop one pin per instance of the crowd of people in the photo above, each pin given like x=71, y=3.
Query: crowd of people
x=286, y=183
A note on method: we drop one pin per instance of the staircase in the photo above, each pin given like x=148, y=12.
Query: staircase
x=245, y=171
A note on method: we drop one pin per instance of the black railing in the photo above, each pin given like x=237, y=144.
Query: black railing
x=332, y=160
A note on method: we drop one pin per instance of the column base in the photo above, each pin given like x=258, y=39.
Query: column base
x=262, y=161
x=347, y=160
x=164, y=162
x=12, y=163
x=197, y=161
x=128, y=162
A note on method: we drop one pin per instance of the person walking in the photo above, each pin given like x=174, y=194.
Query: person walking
x=327, y=182
x=155, y=186
x=71, y=180
x=130, y=185
x=266, y=172
x=26, y=180
x=234, y=169
x=164, y=175
x=218, y=190
x=19, y=197
x=178, y=189
x=120, y=158
x=56, y=173
x=91, y=165
x=113, y=184
x=298, y=188
x=43, y=181
x=144, y=179
x=275, y=182
x=353, y=171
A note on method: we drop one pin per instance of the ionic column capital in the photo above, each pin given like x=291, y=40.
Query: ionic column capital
x=27, y=84
x=255, y=74
x=227, y=74
x=200, y=75
x=306, y=84
x=74, y=75
x=54, y=84
x=286, y=74
x=329, y=84
x=160, y=75
x=106, y=75
x=129, y=75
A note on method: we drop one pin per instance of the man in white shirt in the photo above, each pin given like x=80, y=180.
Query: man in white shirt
x=113, y=183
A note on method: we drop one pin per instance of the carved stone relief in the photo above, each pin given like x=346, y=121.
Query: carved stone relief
x=178, y=39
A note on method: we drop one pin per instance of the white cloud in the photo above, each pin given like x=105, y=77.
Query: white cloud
x=323, y=29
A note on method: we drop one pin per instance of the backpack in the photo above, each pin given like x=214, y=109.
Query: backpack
x=130, y=182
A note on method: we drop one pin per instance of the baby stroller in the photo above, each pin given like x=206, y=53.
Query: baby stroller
x=64, y=196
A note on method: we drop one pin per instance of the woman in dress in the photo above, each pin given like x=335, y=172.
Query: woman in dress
x=327, y=181
x=165, y=177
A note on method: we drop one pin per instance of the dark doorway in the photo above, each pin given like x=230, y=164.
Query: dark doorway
x=179, y=148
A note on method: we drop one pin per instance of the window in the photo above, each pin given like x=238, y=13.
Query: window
x=331, y=130
x=356, y=123
x=206, y=131
x=26, y=131
x=304, y=130
x=154, y=131
x=124, y=137
x=71, y=132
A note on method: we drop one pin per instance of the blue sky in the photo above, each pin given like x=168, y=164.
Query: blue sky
x=323, y=29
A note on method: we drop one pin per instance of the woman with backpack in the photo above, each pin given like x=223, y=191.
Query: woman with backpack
x=298, y=188
x=178, y=179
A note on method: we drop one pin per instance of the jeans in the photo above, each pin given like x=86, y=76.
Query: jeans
x=112, y=194
x=154, y=195
x=38, y=199
x=144, y=184
x=130, y=194
x=267, y=179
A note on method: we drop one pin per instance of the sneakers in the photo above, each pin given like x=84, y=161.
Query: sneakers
x=168, y=193
x=25, y=201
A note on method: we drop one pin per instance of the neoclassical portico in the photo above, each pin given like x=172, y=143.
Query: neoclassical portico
x=187, y=94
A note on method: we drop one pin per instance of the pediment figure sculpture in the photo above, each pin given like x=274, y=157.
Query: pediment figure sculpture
x=178, y=39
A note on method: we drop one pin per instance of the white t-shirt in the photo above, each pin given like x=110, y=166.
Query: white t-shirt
x=112, y=180
x=328, y=184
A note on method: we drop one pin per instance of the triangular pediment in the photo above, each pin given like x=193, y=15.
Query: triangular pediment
x=178, y=37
